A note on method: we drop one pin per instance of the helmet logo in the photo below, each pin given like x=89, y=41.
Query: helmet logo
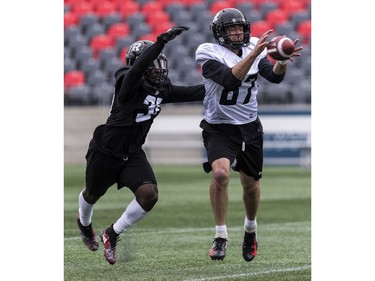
x=135, y=47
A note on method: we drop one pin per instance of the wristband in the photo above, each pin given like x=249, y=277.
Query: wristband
x=282, y=62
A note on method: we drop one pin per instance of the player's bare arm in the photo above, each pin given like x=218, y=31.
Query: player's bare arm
x=241, y=69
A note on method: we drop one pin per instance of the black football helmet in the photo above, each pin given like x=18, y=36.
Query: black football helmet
x=225, y=18
x=158, y=70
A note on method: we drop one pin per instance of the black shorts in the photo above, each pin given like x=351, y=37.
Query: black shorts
x=241, y=144
x=103, y=170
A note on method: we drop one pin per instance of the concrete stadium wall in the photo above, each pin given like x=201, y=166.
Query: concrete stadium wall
x=175, y=137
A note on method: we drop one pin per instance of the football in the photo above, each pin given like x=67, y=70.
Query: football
x=280, y=48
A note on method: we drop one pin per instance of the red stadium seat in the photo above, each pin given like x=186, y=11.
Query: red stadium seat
x=100, y=42
x=151, y=7
x=118, y=30
x=218, y=6
x=149, y=36
x=189, y=3
x=304, y=29
x=276, y=17
x=123, y=53
x=157, y=18
x=72, y=2
x=259, y=27
x=292, y=6
x=128, y=8
x=82, y=8
x=103, y=9
x=163, y=27
x=70, y=19
x=74, y=78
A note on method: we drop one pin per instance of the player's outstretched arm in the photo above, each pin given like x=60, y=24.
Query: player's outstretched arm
x=172, y=33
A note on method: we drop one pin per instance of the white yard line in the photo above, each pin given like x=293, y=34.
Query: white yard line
x=288, y=269
x=177, y=230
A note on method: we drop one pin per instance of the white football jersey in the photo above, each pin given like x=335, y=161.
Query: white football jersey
x=236, y=107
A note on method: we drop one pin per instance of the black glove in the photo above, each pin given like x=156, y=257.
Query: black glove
x=172, y=33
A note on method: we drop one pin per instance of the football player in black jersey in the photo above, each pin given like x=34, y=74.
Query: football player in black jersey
x=115, y=154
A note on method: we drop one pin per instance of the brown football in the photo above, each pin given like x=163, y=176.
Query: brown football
x=280, y=48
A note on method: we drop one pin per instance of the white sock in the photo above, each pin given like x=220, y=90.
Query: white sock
x=221, y=231
x=250, y=226
x=85, y=210
x=133, y=213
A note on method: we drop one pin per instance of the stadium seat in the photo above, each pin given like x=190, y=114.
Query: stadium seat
x=123, y=52
x=218, y=6
x=82, y=8
x=276, y=17
x=191, y=2
x=266, y=7
x=102, y=94
x=118, y=30
x=162, y=27
x=156, y=18
x=70, y=19
x=149, y=36
x=124, y=42
x=106, y=55
x=298, y=17
x=89, y=66
x=304, y=29
x=140, y=30
x=277, y=94
x=76, y=42
x=259, y=27
x=292, y=6
x=69, y=65
x=82, y=54
x=93, y=30
x=77, y=95
x=96, y=78
x=74, y=78
x=135, y=19
x=254, y=16
x=151, y=8
x=88, y=20
x=128, y=8
x=111, y=19
x=110, y=66
x=100, y=42
x=174, y=8
x=286, y=29
x=105, y=8
x=246, y=8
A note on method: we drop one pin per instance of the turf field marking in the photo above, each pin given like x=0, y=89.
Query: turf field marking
x=138, y=232
x=288, y=269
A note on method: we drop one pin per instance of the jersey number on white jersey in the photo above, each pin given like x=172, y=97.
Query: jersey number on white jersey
x=230, y=97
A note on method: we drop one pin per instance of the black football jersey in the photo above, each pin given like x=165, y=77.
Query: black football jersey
x=135, y=104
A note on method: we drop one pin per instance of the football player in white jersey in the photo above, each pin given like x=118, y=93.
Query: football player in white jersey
x=232, y=132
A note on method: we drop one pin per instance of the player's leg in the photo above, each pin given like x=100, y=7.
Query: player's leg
x=100, y=175
x=251, y=197
x=139, y=177
x=219, y=203
x=250, y=165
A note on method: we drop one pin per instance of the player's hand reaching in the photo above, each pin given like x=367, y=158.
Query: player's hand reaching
x=172, y=33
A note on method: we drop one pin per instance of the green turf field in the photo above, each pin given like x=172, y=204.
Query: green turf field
x=172, y=242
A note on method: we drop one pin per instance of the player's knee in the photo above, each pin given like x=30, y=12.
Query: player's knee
x=89, y=197
x=147, y=196
x=221, y=175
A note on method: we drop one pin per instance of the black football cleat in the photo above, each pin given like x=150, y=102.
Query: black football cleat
x=109, y=242
x=88, y=236
x=218, y=249
x=249, y=246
